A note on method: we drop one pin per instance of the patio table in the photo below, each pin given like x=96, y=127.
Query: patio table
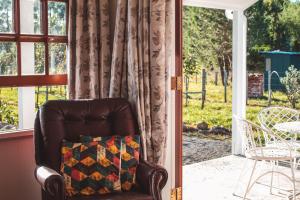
x=290, y=127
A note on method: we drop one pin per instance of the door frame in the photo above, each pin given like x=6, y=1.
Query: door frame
x=178, y=93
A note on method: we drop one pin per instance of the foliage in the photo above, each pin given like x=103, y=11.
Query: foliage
x=7, y=114
x=207, y=34
x=207, y=40
x=6, y=16
x=290, y=17
x=272, y=25
x=56, y=15
x=8, y=58
x=291, y=81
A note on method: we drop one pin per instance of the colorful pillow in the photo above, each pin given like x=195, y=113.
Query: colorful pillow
x=91, y=167
x=129, y=160
x=130, y=148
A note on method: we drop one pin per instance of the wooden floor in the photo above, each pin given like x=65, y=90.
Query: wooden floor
x=218, y=179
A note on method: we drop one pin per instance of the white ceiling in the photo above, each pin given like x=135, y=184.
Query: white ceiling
x=221, y=4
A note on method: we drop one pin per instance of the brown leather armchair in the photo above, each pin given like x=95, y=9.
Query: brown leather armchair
x=58, y=120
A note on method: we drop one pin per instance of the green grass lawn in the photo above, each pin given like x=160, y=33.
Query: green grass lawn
x=216, y=112
x=9, y=101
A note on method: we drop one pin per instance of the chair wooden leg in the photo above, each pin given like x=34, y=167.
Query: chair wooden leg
x=249, y=182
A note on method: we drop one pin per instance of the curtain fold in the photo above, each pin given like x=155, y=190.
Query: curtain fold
x=131, y=61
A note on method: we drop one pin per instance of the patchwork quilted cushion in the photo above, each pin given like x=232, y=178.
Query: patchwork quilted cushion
x=130, y=148
x=91, y=167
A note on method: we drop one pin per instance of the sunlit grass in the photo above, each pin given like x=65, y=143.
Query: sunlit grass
x=9, y=101
x=216, y=111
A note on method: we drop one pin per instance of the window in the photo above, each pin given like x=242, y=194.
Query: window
x=33, y=63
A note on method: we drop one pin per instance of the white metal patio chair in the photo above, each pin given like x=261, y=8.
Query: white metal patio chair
x=256, y=149
x=270, y=116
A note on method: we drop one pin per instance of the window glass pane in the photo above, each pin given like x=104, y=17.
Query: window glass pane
x=57, y=58
x=18, y=106
x=33, y=58
x=30, y=16
x=56, y=18
x=6, y=16
x=8, y=109
x=45, y=93
x=8, y=58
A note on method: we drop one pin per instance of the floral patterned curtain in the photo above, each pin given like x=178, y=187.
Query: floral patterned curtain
x=130, y=59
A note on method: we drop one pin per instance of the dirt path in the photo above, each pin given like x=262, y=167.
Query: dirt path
x=197, y=149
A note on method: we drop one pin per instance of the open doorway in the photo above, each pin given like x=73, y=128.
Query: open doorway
x=199, y=125
x=207, y=84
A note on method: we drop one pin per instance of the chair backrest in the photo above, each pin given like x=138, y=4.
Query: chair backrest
x=270, y=116
x=255, y=137
x=68, y=119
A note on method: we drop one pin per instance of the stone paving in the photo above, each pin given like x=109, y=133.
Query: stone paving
x=197, y=149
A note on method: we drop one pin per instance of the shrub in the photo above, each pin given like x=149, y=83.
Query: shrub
x=6, y=114
x=291, y=82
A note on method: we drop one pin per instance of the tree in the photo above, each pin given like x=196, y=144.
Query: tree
x=291, y=81
x=290, y=18
x=6, y=16
x=207, y=39
x=191, y=36
x=266, y=31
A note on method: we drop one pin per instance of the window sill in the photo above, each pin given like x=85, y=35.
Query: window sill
x=16, y=134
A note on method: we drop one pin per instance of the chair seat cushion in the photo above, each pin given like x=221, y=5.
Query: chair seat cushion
x=116, y=196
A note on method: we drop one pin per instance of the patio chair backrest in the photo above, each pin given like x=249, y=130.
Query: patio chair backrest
x=271, y=116
x=254, y=138
x=252, y=135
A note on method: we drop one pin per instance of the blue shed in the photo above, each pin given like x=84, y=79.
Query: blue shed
x=279, y=61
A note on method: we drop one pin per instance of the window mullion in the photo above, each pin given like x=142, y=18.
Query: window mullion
x=45, y=33
x=17, y=32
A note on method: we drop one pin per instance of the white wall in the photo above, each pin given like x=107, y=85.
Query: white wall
x=17, y=166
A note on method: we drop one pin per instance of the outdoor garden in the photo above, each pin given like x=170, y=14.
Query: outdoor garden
x=273, y=25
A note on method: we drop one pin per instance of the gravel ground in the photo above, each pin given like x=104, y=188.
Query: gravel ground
x=197, y=149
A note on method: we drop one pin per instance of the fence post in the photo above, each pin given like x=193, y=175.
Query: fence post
x=65, y=92
x=225, y=86
x=247, y=82
x=186, y=90
x=47, y=92
x=203, y=88
x=216, y=78
x=37, y=97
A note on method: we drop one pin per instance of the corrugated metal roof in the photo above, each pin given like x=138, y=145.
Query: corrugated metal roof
x=279, y=53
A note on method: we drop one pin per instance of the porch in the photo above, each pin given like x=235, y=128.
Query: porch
x=217, y=179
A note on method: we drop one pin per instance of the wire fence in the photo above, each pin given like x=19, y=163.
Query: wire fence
x=197, y=87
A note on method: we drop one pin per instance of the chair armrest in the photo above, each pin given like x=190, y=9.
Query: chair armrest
x=151, y=178
x=51, y=182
